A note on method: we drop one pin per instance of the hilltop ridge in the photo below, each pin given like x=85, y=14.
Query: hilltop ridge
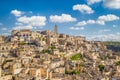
x=47, y=55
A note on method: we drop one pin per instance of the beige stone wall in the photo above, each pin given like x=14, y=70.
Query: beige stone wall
x=0, y=71
x=1, y=39
x=36, y=35
x=7, y=77
x=5, y=47
x=20, y=35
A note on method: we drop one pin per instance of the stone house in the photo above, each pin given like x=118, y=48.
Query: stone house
x=25, y=61
x=16, y=68
x=59, y=70
x=21, y=35
x=2, y=39
x=7, y=77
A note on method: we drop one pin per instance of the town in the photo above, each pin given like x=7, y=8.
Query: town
x=49, y=55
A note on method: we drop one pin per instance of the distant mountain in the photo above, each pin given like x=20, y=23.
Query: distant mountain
x=114, y=46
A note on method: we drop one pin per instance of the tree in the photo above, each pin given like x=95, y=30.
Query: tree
x=101, y=67
x=76, y=57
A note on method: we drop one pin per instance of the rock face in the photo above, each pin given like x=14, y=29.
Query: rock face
x=39, y=55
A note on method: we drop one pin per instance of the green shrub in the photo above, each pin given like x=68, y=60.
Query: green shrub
x=72, y=72
x=23, y=43
x=76, y=57
x=101, y=67
x=117, y=63
x=47, y=51
x=43, y=39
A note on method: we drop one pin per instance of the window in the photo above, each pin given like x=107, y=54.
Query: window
x=3, y=48
x=6, y=48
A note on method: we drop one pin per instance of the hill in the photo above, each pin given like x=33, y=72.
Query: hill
x=114, y=46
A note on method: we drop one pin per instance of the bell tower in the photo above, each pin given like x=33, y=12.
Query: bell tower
x=55, y=29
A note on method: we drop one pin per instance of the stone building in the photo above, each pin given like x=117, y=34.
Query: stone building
x=7, y=77
x=0, y=71
x=2, y=39
x=5, y=48
x=21, y=35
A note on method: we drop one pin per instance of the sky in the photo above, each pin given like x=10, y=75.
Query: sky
x=95, y=19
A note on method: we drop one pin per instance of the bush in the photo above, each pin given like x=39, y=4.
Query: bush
x=117, y=63
x=47, y=51
x=52, y=47
x=101, y=67
x=76, y=57
x=81, y=65
x=43, y=39
x=72, y=72
x=23, y=43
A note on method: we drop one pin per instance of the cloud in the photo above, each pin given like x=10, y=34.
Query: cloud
x=90, y=2
x=83, y=8
x=77, y=28
x=1, y=24
x=109, y=17
x=108, y=37
x=83, y=23
x=17, y=23
x=6, y=33
x=114, y=26
x=104, y=30
x=112, y=4
x=16, y=13
x=91, y=22
x=22, y=27
x=37, y=21
x=4, y=29
x=101, y=20
x=63, y=18
x=106, y=18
